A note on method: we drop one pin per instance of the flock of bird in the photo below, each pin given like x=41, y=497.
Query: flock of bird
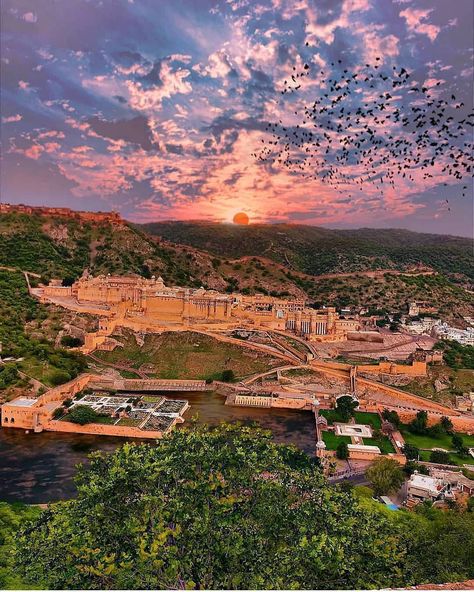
x=370, y=126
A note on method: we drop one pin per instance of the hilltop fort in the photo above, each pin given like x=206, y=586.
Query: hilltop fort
x=93, y=217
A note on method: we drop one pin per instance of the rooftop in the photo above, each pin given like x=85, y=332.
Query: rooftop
x=22, y=402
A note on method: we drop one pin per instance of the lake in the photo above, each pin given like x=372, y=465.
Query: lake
x=40, y=468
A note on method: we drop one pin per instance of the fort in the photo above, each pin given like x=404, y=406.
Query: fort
x=92, y=217
x=141, y=303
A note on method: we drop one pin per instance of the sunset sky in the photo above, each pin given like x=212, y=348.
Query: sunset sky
x=153, y=108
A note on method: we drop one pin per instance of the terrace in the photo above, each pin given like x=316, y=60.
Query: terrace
x=144, y=412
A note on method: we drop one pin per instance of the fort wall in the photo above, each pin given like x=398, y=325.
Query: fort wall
x=98, y=429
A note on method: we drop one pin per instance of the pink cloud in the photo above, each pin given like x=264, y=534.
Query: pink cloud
x=12, y=118
x=415, y=18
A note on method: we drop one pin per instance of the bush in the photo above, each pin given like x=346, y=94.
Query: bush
x=342, y=451
x=83, y=414
x=59, y=377
x=392, y=417
x=69, y=341
x=411, y=452
x=440, y=457
x=59, y=412
x=8, y=375
x=228, y=376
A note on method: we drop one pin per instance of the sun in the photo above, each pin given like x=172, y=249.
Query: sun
x=241, y=218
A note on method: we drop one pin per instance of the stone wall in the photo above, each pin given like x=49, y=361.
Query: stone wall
x=99, y=429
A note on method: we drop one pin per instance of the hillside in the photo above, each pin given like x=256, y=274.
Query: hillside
x=59, y=247
x=316, y=251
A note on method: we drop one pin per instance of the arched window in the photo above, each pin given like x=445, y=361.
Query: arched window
x=6, y=420
x=12, y=420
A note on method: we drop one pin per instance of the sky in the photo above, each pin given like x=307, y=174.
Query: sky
x=153, y=108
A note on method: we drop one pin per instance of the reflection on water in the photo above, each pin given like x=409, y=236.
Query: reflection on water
x=39, y=468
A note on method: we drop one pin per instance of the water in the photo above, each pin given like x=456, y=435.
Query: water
x=40, y=468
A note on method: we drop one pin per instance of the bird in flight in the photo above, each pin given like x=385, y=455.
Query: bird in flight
x=368, y=126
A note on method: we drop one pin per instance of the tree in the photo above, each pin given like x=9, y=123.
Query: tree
x=385, y=475
x=12, y=518
x=419, y=424
x=69, y=341
x=8, y=375
x=411, y=452
x=446, y=424
x=392, y=417
x=342, y=451
x=59, y=377
x=214, y=508
x=440, y=457
x=83, y=414
x=411, y=466
x=345, y=406
x=458, y=442
x=228, y=375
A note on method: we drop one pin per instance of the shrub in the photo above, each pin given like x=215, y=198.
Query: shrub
x=228, y=376
x=59, y=377
x=342, y=451
x=83, y=414
x=69, y=341
x=440, y=457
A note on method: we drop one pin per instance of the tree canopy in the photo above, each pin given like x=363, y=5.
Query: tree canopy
x=209, y=508
x=225, y=507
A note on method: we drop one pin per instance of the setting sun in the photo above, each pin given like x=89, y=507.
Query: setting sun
x=241, y=218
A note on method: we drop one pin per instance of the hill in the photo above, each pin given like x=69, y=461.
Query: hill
x=279, y=260
x=314, y=250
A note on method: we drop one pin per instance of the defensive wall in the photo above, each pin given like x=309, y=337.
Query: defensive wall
x=98, y=429
x=139, y=385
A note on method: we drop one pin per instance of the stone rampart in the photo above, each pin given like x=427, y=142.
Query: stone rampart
x=99, y=429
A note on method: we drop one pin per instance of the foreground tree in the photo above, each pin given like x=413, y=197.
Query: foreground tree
x=385, y=475
x=209, y=508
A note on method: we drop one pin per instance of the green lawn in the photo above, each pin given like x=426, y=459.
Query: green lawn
x=454, y=457
x=362, y=417
x=383, y=443
x=372, y=419
x=332, y=441
x=428, y=442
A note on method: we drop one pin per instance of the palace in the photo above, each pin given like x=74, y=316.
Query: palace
x=148, y=302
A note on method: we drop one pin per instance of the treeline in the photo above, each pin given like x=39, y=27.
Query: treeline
x=317, y=251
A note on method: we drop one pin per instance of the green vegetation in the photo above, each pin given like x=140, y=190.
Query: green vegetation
x=383, y=442
x=363, y=417
x=83, y=414
x=317, y=250
x=332, y=441
x=13, y=517
x=225, y=508
x=345, y=407
x=187, y=355
x=56, y=247
x=342, y=451
x=421, y=440
x=385, y=475
x=41, y=359
x=457, y=356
